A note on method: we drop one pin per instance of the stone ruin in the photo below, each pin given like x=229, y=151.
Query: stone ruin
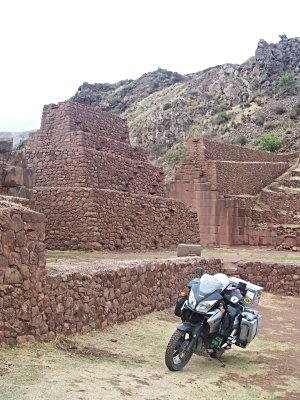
x=15, y=177
x=96, y=190
x=242, y=196
x=38, y=302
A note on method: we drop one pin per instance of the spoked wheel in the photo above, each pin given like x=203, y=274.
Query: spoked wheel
x=178, y=353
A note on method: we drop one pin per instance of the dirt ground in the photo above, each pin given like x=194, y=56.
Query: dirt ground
x=126, y=361
x=231, y=254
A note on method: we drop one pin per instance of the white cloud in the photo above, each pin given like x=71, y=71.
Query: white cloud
x=48, y=48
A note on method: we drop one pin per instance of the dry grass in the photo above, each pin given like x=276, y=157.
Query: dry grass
x=127, y=361
x=74, y=258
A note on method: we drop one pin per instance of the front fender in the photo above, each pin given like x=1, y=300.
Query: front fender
x=186, y=327
x=195, y=330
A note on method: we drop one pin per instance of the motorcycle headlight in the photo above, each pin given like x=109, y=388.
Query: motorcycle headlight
x=205, y=306
x=192, y=299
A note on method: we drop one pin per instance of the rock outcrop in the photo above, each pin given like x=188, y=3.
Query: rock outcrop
x=15, y=177
x=233, y=103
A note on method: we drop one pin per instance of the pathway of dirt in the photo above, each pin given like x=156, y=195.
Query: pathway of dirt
x=126, y=361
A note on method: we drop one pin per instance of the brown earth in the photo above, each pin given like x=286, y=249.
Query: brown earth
x=231, y=254
x=127, y=361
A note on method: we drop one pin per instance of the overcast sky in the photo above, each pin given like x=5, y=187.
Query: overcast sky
x=49, y=47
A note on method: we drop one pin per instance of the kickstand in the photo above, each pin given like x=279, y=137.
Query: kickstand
x=220, y=360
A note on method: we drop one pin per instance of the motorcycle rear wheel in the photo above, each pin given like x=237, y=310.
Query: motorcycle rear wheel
x=177, y=352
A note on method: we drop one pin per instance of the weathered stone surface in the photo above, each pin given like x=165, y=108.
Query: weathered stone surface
x=184, y=250
x=15, y=177
x=96, y=190
x=227, y=186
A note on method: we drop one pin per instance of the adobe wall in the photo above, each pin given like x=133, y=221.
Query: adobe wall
x=78, y=218
x=15, y=176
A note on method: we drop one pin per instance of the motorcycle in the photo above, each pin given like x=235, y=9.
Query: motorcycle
x=216, y=312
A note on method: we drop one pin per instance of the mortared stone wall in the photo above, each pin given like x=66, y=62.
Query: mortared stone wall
x=231, y=199
x=39, y=303
x=108, y=219
x=120, y=199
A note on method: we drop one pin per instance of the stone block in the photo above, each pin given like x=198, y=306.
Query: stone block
x=184, y=250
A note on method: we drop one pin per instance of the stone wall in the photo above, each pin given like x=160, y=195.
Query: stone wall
x=119, y=201
x=206, y=149
x=86, y=167
x=235, y=178
x=275, y=278
x=22, y=272
x=39, y=303
x=61, y=121
x=231, y=197
x=78, y=218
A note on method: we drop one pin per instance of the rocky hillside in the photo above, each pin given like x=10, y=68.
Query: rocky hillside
x=232, y=103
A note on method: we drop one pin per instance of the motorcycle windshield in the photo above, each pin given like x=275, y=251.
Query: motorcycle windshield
x=209, y=284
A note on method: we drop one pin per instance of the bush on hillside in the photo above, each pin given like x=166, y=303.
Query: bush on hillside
x=241, y=140
x=270, y=141
x=222, y=107
x=279, y=110
x=174, y=155
x=221, y=118
x=295, y=112
x=259, y=118
x=166, y=106
x=286, y=81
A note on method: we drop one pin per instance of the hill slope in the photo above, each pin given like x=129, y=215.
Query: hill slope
x=230, y=102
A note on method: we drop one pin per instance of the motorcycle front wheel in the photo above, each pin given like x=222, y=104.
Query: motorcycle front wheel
x=178, y=352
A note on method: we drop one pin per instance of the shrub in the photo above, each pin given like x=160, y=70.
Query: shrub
x=279, y=110
x=174, y=155
x=221, y=118
x=286, y=81
x=295, y=112
x=194, y=93
x=270, y=141
x=115, y=100
x=259, y=118
x=222, y=107
x=254, y=84
x=166, y=106
x=241, y=140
